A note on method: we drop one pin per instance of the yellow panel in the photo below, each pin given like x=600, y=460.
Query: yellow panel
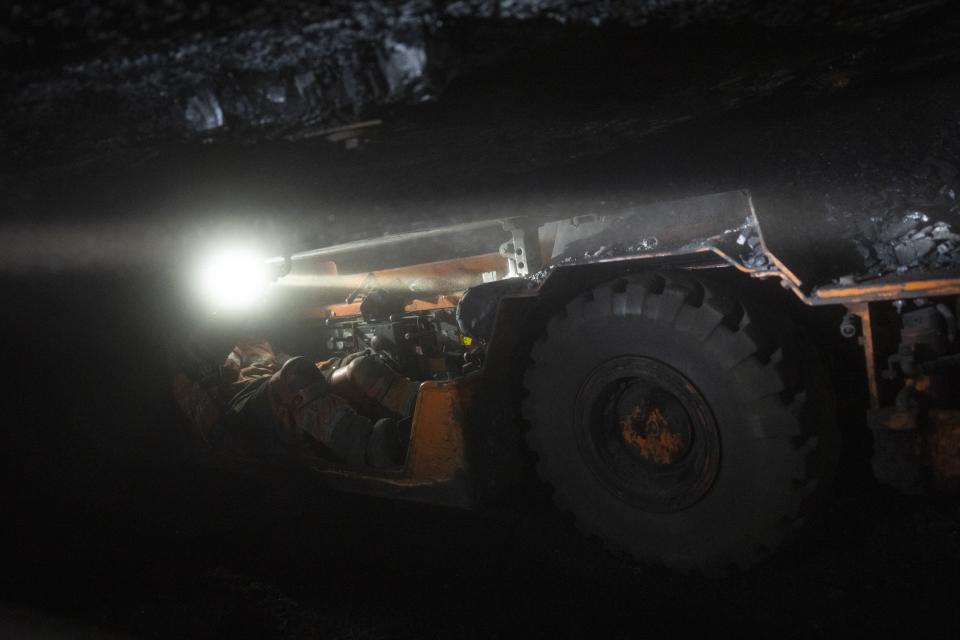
x=436, y=440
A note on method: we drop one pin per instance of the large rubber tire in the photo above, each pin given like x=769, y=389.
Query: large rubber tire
x=767, y=444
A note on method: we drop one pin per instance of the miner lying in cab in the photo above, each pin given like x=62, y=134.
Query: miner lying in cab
x=662, y=367
x=263, y=403
x=354, y=407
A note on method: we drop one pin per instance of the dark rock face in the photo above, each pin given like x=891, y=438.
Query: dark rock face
x=133, y=71
x=843, y=107
x=192, y=68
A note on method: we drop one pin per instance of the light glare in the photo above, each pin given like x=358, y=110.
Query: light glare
x=233, y=279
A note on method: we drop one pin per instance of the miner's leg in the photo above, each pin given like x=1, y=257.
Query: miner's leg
x=368, y=383
x=303, y=402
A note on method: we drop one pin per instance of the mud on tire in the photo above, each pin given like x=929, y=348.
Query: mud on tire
x=678, y=425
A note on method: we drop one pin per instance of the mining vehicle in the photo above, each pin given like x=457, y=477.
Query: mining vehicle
x=662, y=367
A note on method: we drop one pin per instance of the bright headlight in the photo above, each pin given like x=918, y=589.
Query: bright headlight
x=233, y=279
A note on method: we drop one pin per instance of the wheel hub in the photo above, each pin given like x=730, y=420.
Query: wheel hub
x=653, y=425
x=647, y=433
